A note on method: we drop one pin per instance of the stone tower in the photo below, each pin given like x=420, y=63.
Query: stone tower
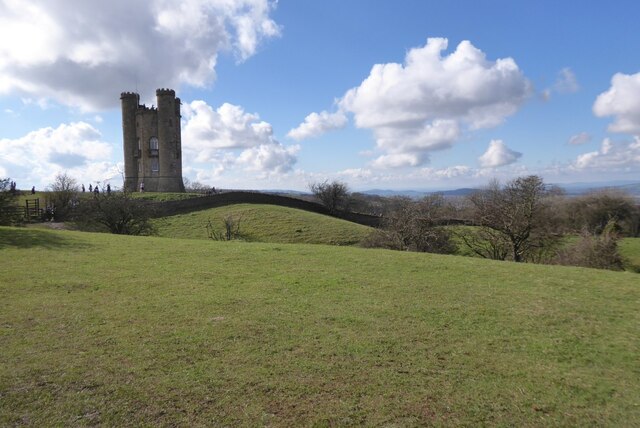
x=152, y=143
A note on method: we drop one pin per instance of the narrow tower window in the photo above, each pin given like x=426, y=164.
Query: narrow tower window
x=153, y=146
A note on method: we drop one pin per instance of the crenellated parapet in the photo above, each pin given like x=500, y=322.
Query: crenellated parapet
x=164, y=91
x=124, y=95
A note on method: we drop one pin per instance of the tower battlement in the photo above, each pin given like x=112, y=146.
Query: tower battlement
x=163, y=91
x=152, y=143
x=128, y=95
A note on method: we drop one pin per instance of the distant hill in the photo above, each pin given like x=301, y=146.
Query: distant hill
x=418, y=193
x=576, y=189
x=572, y=189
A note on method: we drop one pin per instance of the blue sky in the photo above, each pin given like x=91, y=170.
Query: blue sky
x=395, y=95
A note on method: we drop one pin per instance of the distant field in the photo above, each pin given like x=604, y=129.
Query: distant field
x=266, y=223
x=97, y=329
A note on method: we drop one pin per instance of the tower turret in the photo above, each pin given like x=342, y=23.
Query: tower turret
x=168, y=140
x=130, y=102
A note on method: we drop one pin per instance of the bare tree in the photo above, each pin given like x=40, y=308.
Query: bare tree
x=231, y=229
x=334, y=196
x=63, y=196
x=518, y=214
x=195, y=186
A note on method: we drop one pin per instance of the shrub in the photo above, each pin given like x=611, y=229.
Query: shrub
x=229, y=232
x=9, y=211
x=593, y=251
x=592, y=212
x=117, y=213
x=414, y=226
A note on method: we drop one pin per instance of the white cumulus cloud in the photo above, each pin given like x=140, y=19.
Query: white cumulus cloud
x=83, y=53
x=269, y=159
x=622, y=101
x=618, y=156
x=463, y=85
x=76, y=148
x=317, y=124
x=498, y=154
x=426, y=103
x=228, y=136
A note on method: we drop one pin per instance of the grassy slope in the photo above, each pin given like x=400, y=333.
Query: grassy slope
x=266, y=223
x=630, y=250
x=96, y=328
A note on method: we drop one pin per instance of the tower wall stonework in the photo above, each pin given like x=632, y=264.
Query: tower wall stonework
x=130, y=102
x=152, y=143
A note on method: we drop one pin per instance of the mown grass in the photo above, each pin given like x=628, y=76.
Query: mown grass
x=112, y=330
x=265, y=223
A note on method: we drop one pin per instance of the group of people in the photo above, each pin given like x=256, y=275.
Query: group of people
x=13, y=188
x=95, y=190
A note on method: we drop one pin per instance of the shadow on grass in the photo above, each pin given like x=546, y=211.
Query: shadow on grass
x=29, y=238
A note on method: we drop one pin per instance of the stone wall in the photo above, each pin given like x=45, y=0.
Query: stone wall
x=162, y=209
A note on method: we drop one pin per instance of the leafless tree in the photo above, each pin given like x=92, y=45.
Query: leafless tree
x=516, y=216
x=334, y=196
x=62, y=196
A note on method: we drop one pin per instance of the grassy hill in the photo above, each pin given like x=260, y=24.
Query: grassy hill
x=266, y=223
x=116, y=330
x=630, y=250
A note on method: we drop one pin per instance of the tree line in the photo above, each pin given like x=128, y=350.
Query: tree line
x=522, y=220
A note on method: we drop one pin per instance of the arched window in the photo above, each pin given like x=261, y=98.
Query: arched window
x=153, y=146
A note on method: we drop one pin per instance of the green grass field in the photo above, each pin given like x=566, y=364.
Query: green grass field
x=266, y=223
x=630, y=250
x=116, y=330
